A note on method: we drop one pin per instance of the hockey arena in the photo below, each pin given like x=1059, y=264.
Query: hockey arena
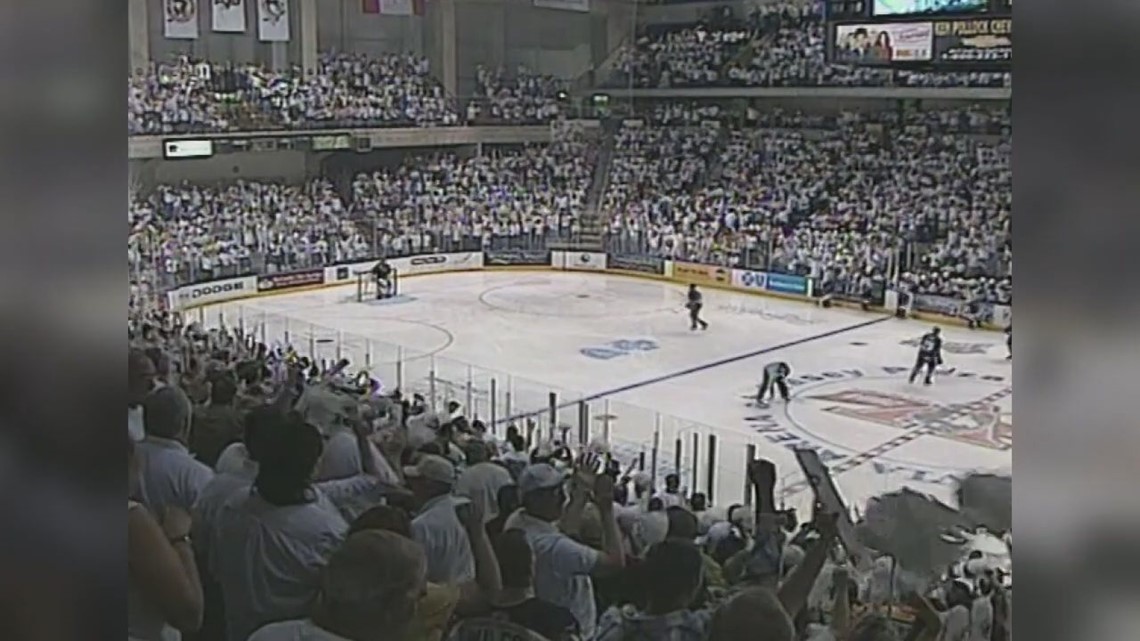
x=500, y=343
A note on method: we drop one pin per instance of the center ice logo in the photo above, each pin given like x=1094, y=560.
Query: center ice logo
x=980, y=423
x=969, y=408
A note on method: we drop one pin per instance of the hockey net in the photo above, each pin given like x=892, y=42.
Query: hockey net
x=366, y=286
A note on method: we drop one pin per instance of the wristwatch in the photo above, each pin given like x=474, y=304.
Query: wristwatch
x=175, y=540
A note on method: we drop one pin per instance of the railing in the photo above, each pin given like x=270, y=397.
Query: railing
x=658, y=443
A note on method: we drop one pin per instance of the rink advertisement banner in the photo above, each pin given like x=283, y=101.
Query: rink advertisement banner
x=180, y=19
x=584, y=261
x=944, y=305
x=516, y=258
x=746, y=279
x=214, y=291
x=695, y=273
x=635, y=263
x=969, y=42
x=788, y=284
x=433, y=263
x=273, y=20
x=564, y=5
x=229, y=16
x=291, y=280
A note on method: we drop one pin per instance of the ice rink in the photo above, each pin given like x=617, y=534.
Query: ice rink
x=500, y=342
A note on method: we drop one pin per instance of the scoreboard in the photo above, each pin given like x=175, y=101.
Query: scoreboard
x=945, y=35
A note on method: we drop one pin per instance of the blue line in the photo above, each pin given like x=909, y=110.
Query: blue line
x=700, y=368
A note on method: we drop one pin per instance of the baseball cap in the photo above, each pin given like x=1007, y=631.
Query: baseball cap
x=432, y=468
x=540, y=476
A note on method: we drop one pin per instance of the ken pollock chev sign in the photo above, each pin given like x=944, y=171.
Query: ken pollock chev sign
x=827, y=407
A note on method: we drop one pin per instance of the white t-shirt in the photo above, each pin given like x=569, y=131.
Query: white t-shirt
x=955, y=624
x=981, y=619
x=297, y=630
x=562, y=568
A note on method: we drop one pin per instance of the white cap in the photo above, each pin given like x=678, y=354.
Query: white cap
x=540, y=476
x=432, y=468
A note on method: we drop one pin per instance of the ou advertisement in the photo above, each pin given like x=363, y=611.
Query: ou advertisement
x=701, y=274
x=883, y=43
x=746, y=279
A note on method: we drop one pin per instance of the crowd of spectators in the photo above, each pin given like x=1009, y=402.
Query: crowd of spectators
x=274, y=498
x=780, y=44
x=842, y=199
x=524, y=98
x=517, y=195
x=924, y=196
x=521, y=196
x=345, y=90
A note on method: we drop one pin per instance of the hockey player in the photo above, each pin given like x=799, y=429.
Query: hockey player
x=929, y=355
x=775, y=378
x=694, y=304
x=1009, y=341
x=382, y=275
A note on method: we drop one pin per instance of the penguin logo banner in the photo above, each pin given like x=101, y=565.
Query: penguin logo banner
x=749, y=279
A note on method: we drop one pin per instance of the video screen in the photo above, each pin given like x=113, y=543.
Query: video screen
x=906, y=7
x=883, y=44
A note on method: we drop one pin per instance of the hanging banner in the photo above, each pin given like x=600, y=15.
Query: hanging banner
x=229, y=16
x=180, y=19
x=273, y=20
x=402, y=7
x=565, y=5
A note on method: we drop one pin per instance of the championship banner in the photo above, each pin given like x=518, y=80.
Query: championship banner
x=635, y=263
x=883, y=43
x=402, y=7
x=273, y=20
x=229, y=16
x=180, y=19
x=975, y=40
x=291, y=280
x=516, y=257
x=564, y=5
x=702, y=274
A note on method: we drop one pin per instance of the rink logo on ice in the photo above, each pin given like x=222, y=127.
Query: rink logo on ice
x=978, y=418
x=618, y=348
x=983, y=424
x=749, y=279
x=953, y=347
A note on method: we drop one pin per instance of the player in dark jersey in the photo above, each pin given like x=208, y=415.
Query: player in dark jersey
x=775, y=378
x=929, y=355
x=694, y=303
x=1009, y=341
